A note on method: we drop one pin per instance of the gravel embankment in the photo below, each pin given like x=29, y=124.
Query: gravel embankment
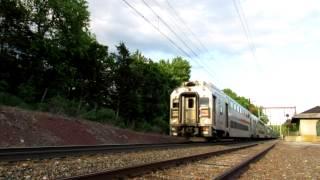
x=288, y=160
x=207, y=168
x=71, y=166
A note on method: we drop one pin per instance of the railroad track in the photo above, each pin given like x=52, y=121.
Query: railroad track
x=18, y=154
x=181, y=168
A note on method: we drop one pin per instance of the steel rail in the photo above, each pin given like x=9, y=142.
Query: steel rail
x=237, y=169
x=144, y=168
x=18, y=154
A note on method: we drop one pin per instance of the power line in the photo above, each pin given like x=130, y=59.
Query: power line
x=245, y=29
x=170, y=29
x=175, y=22
x=166, y=36
x=155, y=27
x=200, y=44
x=185, y=24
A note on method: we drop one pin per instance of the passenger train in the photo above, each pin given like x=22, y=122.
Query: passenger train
x=199, y=109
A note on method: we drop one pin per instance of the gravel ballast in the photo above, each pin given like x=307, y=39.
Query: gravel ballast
x=72, y=166
x=208, y=168
x=288, y=160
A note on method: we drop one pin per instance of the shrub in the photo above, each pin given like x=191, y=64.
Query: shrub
x=26, y=92
x=10, y=100
x=105, y=115
x=143, y=126
x=101, y=115
x=160, y=125
x=61, y=105
x=3, y=86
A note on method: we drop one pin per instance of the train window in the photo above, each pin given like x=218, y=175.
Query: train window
x=175, y=104
x=190, y=103
x=204, y=101
x=240, y=126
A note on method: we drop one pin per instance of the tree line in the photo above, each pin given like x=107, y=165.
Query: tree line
x=50, y=61
x=246, y=103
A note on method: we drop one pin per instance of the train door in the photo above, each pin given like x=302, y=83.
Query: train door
x=227, y=116
x=214, y=119
x=251, y=127
x=189, y=108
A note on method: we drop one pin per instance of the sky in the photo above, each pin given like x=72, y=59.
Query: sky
x=266, y=50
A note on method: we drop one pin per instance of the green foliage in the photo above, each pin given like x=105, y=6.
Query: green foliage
x=245, y=102
x=27, y=92
x=3, y=86
x=160, y=125
x=101, y=115
x=10, y=100
x=61, y=105
x=50, y=60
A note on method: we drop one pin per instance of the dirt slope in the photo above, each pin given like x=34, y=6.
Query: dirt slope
x=27, y=128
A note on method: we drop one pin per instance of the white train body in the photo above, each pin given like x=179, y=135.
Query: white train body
x=201, y=109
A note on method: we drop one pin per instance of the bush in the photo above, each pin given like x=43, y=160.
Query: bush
x=160, y=125
x=101, y=115
x=105, y=115
x=61, y=105
x=26, y=92
x=143, y=126
x=3, y=86
x=10, y=100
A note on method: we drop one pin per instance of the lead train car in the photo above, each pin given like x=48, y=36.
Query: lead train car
x=200, y=109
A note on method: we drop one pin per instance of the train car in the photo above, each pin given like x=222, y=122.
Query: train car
x=200, y=109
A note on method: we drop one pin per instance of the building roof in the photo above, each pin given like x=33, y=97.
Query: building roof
x=313, y=113
x=313, y=110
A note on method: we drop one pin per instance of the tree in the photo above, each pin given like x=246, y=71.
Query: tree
x=47, y=54
x=245, y=102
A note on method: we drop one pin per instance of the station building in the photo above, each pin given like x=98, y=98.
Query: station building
x=309, y=125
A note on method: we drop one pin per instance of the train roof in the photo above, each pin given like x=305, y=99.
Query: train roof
x=214, y=88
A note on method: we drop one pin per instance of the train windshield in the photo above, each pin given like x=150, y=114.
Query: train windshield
x=204, y=101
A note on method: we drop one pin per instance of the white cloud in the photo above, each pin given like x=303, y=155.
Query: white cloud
x=284, y=32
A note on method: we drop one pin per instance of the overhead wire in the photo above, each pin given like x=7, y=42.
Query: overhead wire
x=170, y=29
x=199, y=62
x=186, y=25
x=195, y=40
x=175, y=22
x=167, y=37
x=245, y=28
x=155, y=27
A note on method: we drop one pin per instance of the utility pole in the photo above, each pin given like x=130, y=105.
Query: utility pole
x=280, y=107
x=280, y=130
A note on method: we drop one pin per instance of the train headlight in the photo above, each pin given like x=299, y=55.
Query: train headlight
x=205, y=113
x=205, y=130
x=205, y=121
x=175, y=134
x=174, y=121
x=174, y=113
